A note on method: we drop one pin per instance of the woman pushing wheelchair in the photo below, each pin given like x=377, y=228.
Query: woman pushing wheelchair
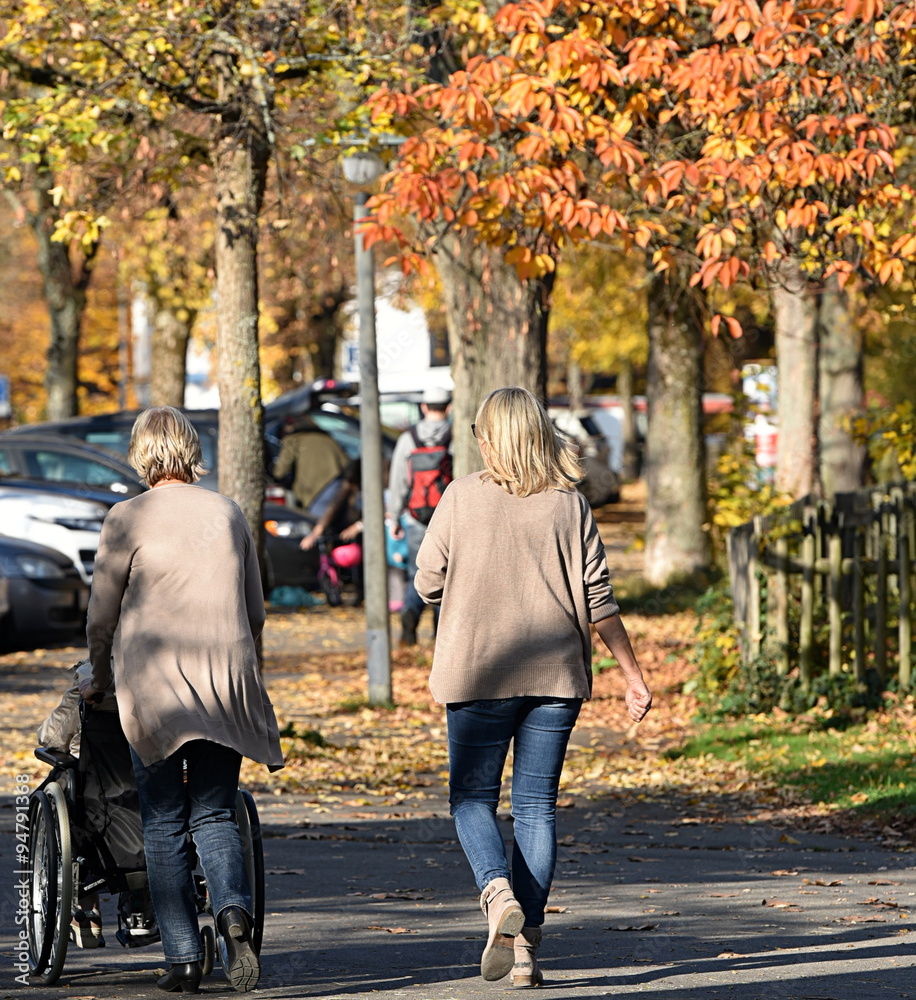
x=175, y=610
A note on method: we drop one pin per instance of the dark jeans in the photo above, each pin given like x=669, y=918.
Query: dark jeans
x=414, y=532
x=204, y=806
x=479, y=733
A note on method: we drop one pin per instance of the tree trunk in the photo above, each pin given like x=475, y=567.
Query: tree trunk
x=676, y=543
x=497, y=333
x=240, y=157
x=171, y=334
x=795, y=312
x=841, y=392
x=630, y=459
x=324, y=333
x=65, y=294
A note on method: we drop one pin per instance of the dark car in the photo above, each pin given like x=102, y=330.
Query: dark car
x=111, y=431
x=57, y=458
x=42, y=597
x=285, y=563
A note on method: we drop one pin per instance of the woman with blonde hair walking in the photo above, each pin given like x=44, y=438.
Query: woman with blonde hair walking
x=514, y=558
x=175, y=609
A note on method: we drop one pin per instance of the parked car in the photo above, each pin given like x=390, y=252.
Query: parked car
x=308, y=398
x=42, y=596
x=601, y=484
x=69, y=524
x=285, y=563
x=57, y=458
x=111, y=431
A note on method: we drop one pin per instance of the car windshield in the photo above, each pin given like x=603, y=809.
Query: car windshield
x=341, y=428
x=114, y=440
x=119, y=441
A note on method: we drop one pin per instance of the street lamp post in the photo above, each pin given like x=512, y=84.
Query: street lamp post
x=363, y=168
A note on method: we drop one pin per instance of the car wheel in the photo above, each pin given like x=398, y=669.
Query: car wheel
x=7, y=633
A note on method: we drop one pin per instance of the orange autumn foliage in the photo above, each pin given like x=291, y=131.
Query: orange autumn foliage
x=762, y=129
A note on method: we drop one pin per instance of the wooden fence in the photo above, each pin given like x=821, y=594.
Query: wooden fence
x=847, y=563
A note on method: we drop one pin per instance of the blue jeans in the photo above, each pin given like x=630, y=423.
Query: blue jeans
x=204, y=806
x=414, y=532
x=479, y=733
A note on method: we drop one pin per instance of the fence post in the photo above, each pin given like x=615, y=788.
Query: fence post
x=835, y=569
x=880, y=589
x=806, y=626
x=781, y=585
x=753, y=585
x=858, y=600
x=903, y=589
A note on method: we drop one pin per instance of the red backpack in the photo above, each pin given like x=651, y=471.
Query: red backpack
x=429, y=471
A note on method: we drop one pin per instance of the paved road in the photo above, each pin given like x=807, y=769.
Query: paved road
x=652, y=900
x=654, y=897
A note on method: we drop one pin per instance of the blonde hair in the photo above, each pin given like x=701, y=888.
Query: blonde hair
x=524, y=454
x=164, y=445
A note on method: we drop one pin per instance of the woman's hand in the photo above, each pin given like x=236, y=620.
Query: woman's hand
x=638, y=699
x=614, y=636
x=88, y=692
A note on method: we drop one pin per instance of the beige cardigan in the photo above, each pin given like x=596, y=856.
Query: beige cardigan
x=176, y=598
x=519, y=579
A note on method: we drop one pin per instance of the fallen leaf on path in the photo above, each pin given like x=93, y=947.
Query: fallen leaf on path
x=637, y=859
x=285, y=871
x=390, y=930
x=853, y=919
x=780, y=872
x=820, y=881
x=882, y=881
x=556, y=909
x=397, y=895
x=729, y=954
x=632, y=927
x=780, y=904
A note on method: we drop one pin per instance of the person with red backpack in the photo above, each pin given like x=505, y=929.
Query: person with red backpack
x=421, y=468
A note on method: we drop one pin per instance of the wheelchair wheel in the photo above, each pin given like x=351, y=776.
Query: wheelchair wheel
x=250, y=829
x=208, y=940
x=51, y=883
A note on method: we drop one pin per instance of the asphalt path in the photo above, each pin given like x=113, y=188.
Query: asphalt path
x=655, y=896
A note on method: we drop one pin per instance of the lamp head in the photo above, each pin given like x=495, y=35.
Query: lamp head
x=362, y=167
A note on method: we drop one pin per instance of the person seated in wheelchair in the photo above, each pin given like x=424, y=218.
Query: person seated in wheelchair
x=64, y=731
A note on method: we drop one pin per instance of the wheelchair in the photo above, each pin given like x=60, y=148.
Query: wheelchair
x=75, y=851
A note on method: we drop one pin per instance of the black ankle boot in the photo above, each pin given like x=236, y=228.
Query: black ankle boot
x=240, y=962
x=409, y=622
x=181, y=978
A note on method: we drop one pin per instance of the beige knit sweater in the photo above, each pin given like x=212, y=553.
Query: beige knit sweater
x=519, y=579
x=176, y=597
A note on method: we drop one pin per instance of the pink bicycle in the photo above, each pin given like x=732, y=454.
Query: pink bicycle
x=337, y=563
